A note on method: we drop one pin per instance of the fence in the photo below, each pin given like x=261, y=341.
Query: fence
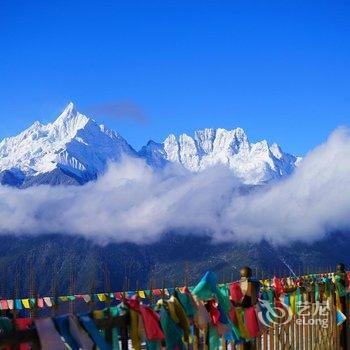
x=303, y=332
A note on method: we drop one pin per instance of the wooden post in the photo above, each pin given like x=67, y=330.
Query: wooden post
x=92, y=291
x=15, y=296
x=265, y=337
x=124, y=336
x=297, y=330
x=71, y=288
x=107, y=284
x=206, y=338
x=4, y=285
x=151, y=296
x=32, y=290
x=185, y=274
x=54, y=287
x=137, y=289
x=223, y=343
x=163, y=289
x=196, y=345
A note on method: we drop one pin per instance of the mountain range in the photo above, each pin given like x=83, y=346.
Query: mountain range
x=74, y=149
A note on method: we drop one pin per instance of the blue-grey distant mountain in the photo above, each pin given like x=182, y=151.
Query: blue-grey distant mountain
x=164, y=261
x=74, y=149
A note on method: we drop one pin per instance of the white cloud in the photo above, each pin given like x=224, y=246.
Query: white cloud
x=131, y=202
x=312, y=202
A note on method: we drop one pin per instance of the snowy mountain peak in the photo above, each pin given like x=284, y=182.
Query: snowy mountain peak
x=73, y=144
x=36, y=125
x=276, y=150
x=68, y=122
x=70, y=112
x=70, y=108
x=254, y=163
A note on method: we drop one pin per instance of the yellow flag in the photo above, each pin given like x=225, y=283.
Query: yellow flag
x=141, y=294
x=25, y=303
x=337, y=301
x=134, y=330
x=292, y=303
x=98, y=314
x=101, y=297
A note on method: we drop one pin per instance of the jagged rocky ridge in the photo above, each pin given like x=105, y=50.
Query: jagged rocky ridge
x=74, y=149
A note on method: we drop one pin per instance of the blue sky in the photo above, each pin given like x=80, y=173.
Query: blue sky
x=279, y=69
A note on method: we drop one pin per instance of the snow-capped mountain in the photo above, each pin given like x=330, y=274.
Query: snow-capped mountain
x=254, y=163
x=72, y=149
x=75, y=149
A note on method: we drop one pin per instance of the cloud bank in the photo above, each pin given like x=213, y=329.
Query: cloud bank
x=132, y=202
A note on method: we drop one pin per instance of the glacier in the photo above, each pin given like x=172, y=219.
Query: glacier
x=74, y=149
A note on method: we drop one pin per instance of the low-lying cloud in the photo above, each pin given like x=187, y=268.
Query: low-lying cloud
x=132, y=202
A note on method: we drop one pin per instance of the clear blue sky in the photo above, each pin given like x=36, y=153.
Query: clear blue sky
x=279, y=69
